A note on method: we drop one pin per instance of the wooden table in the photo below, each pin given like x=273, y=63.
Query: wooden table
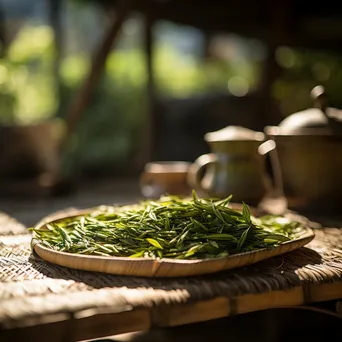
x=39, y=299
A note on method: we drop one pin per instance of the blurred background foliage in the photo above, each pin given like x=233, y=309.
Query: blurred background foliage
x=26, y=80
x=186, y=64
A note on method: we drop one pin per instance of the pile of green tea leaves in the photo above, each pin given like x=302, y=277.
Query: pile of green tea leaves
x=170, y=227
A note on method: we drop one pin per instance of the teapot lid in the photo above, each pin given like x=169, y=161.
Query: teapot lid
x=320, y=120
x=234, y=133
x=308, y=118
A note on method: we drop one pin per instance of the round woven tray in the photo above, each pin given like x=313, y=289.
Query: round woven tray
x=149, y=267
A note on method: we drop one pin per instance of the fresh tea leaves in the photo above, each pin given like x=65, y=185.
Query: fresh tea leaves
x=171, y=227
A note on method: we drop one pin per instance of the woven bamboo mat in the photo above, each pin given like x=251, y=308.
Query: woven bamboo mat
x=81, y=305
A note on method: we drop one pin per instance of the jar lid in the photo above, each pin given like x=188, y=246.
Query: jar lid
x=234, y=133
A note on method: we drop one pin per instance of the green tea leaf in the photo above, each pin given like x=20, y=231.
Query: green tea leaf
x=154, y=243
x=194, y=196
x=242, y=239
x=221, y=237
x=246, y=213
x=278, y=237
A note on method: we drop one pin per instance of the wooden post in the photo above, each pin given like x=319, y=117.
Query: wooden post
x=149, y=134
x=55, y=21
x=83, y=96
x=279, y=12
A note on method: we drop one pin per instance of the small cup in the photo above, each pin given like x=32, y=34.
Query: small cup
x=169, y=177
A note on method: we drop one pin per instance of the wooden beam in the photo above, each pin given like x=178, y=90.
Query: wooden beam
x=84, y=94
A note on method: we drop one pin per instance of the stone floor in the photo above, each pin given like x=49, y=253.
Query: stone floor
x=30, y=210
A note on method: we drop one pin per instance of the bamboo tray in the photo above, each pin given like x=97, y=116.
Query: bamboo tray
x=149, y=267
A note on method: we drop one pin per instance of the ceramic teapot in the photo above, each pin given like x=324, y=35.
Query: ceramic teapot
x=309, y=155
x=236, y=165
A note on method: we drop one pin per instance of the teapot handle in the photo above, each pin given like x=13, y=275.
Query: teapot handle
x=269, y=147
x=194, y=179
